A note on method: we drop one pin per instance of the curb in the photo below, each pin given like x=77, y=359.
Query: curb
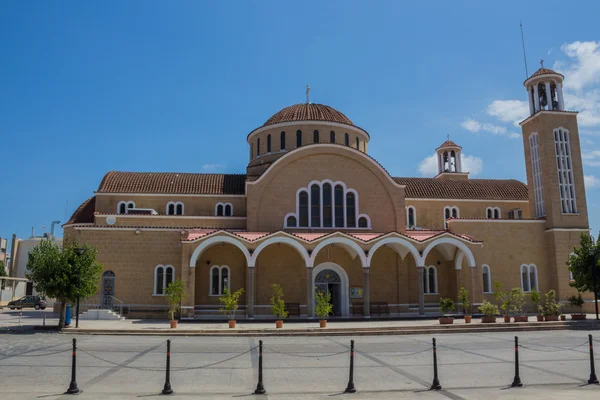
x=415, y=330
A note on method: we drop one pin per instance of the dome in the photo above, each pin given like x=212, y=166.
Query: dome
x=544, y=71
x=308, y=112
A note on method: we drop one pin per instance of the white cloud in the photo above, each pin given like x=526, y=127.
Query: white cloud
x=584, y=68
x=429, y=166
x=591, y=158
x=513, y=111
x=471, y=125
x=213, y=167
x=474, y=126
x=591, y=181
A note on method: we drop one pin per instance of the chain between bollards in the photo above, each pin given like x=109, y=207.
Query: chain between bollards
x=73, y=389
x=593, y=378
x=167, y=388
x=350, y=388
x=260, y=388
x=436, y=382
x=517, y=380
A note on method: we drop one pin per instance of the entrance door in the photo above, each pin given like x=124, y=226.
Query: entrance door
x=108, y=290
x=328, y=280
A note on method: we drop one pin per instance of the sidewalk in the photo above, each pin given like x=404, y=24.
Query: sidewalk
x=259, y=328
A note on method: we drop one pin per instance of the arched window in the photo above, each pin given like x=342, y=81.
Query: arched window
x=497, y=213
x=258, y=147
x=291, y=222
x=411, y=217
x=175, y=208
x=529, y=277
x=363, y=222
x=282, y=141
x=303, y=205
x=346, y=139
x=533, y=281
x=487, y=279
x=339, y=206
x=350, y=210
x=123, y=206
x=316, y=137
x=315, y=205
x=268, y=143
x=450, y=212
x=357, y=143
x=220, y=210
x=332, y=137
x=525, y=278
x=493, y=213
x=223, y=209
x=327, y=209
x=298, y=138
x=163, y=275
x=219, y=280
x=430, y=285
x=179, y=208
x=228, y=210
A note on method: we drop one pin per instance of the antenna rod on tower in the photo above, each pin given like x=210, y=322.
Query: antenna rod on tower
x=524, y=54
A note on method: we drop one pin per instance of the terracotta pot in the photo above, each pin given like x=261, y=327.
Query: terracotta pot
x=323, y=323
x=173, y=324
x=578, y=317
x=507, y=318
x=550, y=318
x=446, y=320
x=540, y=318
x=563, y=317
x=279, y=324
x=488, y=320
x=521, y=318
x=232, y=323
x=468, y=319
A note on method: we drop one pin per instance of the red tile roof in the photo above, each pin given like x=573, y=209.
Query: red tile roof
x=543, y=71
x=308, y=112
x=476, y=189
x=84, y=213
x=449, y=143
x=172, y=183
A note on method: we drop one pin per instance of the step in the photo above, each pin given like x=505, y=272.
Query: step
x=100, y=314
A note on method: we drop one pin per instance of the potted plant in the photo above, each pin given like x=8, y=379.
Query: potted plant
x=536, y=300
x=504, y=298
x=446, y=305
x=517, y=302
x=175, y=294
x=463, y=299
x=551, y=306
x=278, y=305
x=323, y=306
x=577, y=301
x=489, y=311
x=230, y=301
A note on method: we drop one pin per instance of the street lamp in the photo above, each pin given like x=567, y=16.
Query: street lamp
x=79, y=251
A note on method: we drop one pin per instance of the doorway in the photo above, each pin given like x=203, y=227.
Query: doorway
x=331, y=277
x=108, y=290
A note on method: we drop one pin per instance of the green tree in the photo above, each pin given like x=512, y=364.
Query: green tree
x=277, y=302
x=175, y=294
x=62, y=274
x=581, y=262
x=2, y=269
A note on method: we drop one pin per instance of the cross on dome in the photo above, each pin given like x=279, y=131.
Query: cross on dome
x=307, y=94
x=542, y=62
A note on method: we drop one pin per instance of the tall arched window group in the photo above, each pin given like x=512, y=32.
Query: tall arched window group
x=223, y=209
x=562, y=146
x=493, y=213
x=430, y=283
x=219, y=279
x=163, y=275
x=529, y=277
x=327, y=204
x=175, y=208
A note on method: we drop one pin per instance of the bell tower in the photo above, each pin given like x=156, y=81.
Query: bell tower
x=554, y=173
x=450, y=161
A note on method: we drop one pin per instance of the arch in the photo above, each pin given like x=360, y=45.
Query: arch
x=458, y=260
x=446, y=240
x=350, y=246
x=394, y=242
x=216, y=240
x=285, y=240
x=344, y=283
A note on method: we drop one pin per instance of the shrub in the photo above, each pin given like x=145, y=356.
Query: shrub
x=536, y=300
x=230, y=302
x=446, y=305
x=517, y=300
x=175, y=294
x=463, y=299
x=551, y=306
x=323, y=303
x=277, y=303
x=503, y=297
x=577, y=301
x=488, y=309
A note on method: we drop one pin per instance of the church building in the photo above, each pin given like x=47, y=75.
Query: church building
x=315, y=210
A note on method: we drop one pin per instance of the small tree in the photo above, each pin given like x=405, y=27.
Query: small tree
x=582, y=261
x=2, y=272
x=577, y=301
x=536, y=300
x=503, y=297
x=62, y=274
x=230, y=302
x=277, y=303
x=323, y=303
x=517, y=300
x=446, y=305
x=463, y=299
x=551, y=306
x=175, y=294
x=488, y=309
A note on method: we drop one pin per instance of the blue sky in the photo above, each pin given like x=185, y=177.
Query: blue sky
x=86, y=88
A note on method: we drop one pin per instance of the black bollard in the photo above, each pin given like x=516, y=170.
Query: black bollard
x=260, y=388
x=350, y=388
x=517, y=380
x=73, y=389
x=593, y=378
x=436, y=382
x=167, y=389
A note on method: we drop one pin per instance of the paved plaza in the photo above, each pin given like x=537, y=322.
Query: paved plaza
x=471, y=366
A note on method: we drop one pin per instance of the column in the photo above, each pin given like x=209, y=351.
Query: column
x=420, y=270
x=536, y=98
x=309, y=292
x=440, y=163
x=531, y=110
x=367, y=292
x=549, y=95
x=250, y=292
x=459, y=161
x=559, y=94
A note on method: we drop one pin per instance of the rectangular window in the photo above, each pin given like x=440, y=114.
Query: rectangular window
x=536, y=168
x=327, y=215
x=214, y=282
x=282, y=140
x=339, y=206
x=298, y=138
x=316, y=137
x=565, y=171
x=315, y=209
x=303, y=200
x=268, y=143
x=350, y=210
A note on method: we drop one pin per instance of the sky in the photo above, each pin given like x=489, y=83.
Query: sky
x=90, y=87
